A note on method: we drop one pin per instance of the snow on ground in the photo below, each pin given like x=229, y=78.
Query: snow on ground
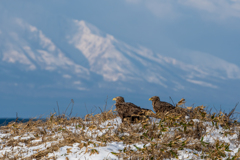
x=96, y=151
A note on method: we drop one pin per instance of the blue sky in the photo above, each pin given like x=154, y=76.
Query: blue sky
x=167, y=27
x=210, y=26
x=174, y=28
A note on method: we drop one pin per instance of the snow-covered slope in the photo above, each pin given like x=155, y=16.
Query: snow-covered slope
x=81, y=57
x=31, y=48
x=115, y=60
x=25, y=46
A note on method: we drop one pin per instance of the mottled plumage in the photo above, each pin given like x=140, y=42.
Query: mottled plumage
x=160, y=106
x=129, y=110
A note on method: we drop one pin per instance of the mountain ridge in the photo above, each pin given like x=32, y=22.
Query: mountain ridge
x=112, y=59
x=34, y=62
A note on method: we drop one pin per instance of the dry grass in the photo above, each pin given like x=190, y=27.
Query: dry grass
x=162, y=137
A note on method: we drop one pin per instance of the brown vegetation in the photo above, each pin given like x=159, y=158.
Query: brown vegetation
x=161, y=138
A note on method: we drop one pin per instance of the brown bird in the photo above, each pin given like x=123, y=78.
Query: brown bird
x=160, y=106
x=129, y=110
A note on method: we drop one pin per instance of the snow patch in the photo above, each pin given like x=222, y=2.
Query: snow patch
x=46, y=42
x=213, y=66
x=13, y=56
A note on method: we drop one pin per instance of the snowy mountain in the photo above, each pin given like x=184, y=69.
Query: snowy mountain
x=115, y=60
x=82, y=58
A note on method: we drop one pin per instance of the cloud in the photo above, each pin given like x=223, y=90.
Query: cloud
x=160, y=8
x=133, y=1
x=220, y=9
x=67, y=76
x=201, y=83
x=163, y=9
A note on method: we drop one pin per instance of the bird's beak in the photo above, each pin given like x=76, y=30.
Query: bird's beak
x=114, y=99
x=150, y=99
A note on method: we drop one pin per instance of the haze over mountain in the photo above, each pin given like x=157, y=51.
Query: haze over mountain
x=86, y=64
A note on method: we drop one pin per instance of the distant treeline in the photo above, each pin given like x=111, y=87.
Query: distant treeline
x=5, y=121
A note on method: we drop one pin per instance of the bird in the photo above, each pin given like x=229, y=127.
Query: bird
x=129, y=110
x=160, y=106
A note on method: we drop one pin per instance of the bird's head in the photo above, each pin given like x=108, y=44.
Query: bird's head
x=118, y=99
x=154, y=98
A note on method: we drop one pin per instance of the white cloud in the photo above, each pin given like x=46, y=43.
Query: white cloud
x=160, y=8
x=220, y=9
x=76, y=82
x=82, y=89
x=201, y=83
x=133, y=1
x=163, y=9
x=67, y=76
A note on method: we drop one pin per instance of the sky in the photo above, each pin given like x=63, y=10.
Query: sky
x=166, y=26
x=169, y=27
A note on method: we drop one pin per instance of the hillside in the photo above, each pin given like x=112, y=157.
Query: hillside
x=200, y=135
